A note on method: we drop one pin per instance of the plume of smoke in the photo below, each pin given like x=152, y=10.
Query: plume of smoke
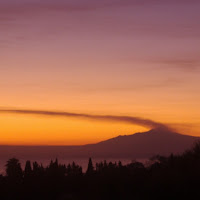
x=147, y=123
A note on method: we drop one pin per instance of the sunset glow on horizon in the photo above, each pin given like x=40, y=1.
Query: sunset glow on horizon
x=108, y=57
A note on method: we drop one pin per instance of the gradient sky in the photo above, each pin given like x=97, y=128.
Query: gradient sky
x=136, y=58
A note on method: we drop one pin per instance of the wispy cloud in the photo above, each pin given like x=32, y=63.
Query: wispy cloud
x=146, y=20
x=110, y=118
x=31, y=6
x=182, y=63
x=186, y=128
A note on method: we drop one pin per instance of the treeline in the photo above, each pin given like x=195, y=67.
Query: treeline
x=172, y=177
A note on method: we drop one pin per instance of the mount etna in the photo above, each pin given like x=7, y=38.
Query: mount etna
x=136, y=146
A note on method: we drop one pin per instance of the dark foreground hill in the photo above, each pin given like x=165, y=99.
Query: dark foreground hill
x=165, y=177
x=136, y=146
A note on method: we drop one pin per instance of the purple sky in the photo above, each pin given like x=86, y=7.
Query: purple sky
x=124, y=57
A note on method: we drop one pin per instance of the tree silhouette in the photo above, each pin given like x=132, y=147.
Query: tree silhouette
x=14, y=170
x=90, y=169
x=28, y=169
x=74, y=170
x=55, y=169
x=38, y=170
x=165, y=177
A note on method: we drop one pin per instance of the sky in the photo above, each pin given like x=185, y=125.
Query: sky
x=132, y=58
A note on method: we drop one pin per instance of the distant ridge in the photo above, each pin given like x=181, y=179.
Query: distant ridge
x=136, y=146
x=144, y=145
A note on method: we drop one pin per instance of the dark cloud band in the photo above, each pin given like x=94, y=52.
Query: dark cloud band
x=110, y=118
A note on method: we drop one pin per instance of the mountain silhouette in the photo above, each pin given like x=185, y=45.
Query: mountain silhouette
x=143, y=145
x=136, y=146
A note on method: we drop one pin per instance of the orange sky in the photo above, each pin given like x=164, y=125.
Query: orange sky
x=96, y=57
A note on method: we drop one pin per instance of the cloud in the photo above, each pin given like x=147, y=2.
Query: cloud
x=109, y=118
x=118, y=18
x=31, y=6
x=21, y=7
x=141, y=86
x=186, y=128
x=183, y=63
x=149, y=20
